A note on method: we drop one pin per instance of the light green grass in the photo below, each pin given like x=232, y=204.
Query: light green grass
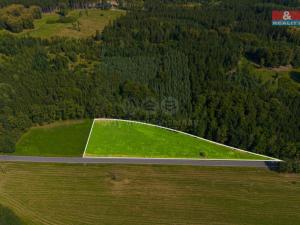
x=94, y=19
x=59, y=194
x=119, y=138
x=58, y=139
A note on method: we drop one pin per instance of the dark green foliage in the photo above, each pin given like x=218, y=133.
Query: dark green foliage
x=50, y=5
x=36, y=12
x=296, y=59
x=295, y=76
x=98, y=35
x=202, y=154
x=15, y=18
x=63, y=9
x=291, y=166
x=69, y=19
x=7, y=144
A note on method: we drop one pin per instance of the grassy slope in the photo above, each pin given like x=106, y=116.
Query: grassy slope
x=59, y=139
x=96, y=19
x=115, y=138
x=120, y=194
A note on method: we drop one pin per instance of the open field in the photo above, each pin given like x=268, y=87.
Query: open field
x=121, y=138
x=113, y=194
x=286, y=74
x=90, y=20
x=66, y=138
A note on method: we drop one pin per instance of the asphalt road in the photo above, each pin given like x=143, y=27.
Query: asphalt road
x=191, y=162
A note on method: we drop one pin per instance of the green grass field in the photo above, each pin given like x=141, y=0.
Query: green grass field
x=58, y=139
x=90, y=20
x=136, y=195
x=119, y=138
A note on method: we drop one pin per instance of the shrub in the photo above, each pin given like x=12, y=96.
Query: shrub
x=202, y=154
x=15, y=18
x=36, y=12
x=69, y=19
x=14, y=24
x=296, y=59
x=27, y=22
x=7, y=144
x=72, y=56
x=98, y=35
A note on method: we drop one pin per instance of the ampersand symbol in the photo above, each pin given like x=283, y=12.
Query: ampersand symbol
x=286, y=15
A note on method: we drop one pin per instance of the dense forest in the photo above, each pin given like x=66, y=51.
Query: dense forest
x=172, y=62
x=50, y=5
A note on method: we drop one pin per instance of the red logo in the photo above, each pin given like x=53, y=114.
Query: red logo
x=286, y=15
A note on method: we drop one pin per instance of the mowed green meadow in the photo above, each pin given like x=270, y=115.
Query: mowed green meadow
x=59, y=194
x=66, y=138
x=90, y=20
x=112, y=138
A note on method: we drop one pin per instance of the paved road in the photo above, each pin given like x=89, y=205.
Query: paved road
x=233, y=163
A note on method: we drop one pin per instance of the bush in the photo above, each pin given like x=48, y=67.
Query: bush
x=63, y=10
x=69, y=19
x=28, y=23
x=36, y=12
x=14, y=24
x=72, y=56
x=98, y=35
x=15, y=18
x=296, y=59
x=7, y=144
x=202, y=154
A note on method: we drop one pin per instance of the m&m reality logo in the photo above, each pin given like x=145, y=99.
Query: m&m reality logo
x=286, y=18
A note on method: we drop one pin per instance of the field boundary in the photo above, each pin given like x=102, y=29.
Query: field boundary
x=87, y=142
x=142, y=161
x=177, y=131
x=191, y=159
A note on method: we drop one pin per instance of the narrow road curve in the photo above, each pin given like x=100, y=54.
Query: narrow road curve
x=142, y=161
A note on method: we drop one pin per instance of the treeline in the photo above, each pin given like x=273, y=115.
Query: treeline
x=16, y=18
x=274, y=57
x=51, y=5
x=46, y=5
x=188, y=55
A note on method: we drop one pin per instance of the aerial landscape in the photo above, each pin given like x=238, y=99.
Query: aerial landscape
x=149, y=112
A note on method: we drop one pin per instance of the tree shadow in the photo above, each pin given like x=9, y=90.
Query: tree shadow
x=8, y=217
x=294, y=75
x=273, y=165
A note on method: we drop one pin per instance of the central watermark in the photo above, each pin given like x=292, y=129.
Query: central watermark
x=151, y=106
